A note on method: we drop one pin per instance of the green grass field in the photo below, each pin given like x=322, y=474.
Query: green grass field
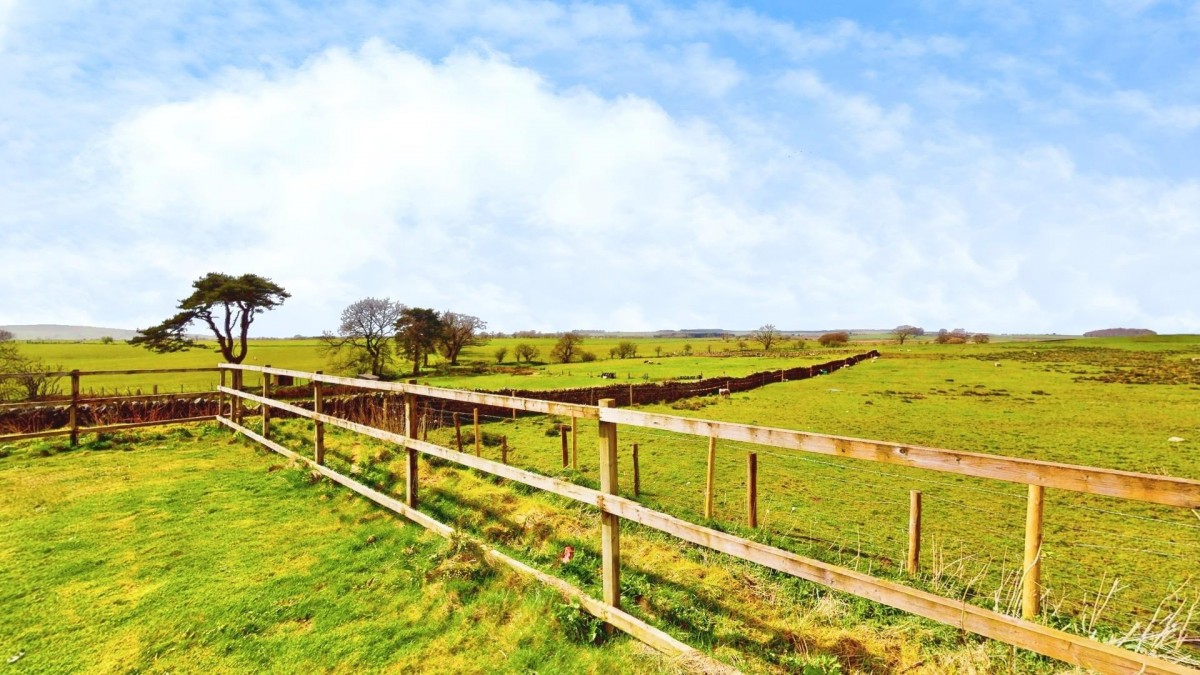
x=1108, y=563
x=477, y=365
x=184, y=551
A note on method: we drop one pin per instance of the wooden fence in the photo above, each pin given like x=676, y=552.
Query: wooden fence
x=75, y=414
x=76, y=403
x=1038, y=475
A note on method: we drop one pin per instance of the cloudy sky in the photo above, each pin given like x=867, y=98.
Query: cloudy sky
x=993, y=165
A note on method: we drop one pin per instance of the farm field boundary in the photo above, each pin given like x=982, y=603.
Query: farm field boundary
x=78, y=414
x=1037, y=475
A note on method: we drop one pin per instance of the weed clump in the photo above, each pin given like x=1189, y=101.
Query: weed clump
x=578, y=625
x=463, y=560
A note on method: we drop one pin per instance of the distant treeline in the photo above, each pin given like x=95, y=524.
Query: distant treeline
x=1120, y=332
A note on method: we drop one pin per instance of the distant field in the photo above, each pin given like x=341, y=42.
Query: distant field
x=307, y=355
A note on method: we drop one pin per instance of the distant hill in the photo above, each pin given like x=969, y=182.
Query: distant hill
x=1120, y=332
x=57, y=332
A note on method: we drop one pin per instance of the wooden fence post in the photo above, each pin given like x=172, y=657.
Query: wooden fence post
x=710, y=479
x=574, y=446
x=318, y=426
x=637, y=474
x=238, y=378
x=411, y=405
x=610, y=524
x=457, y=432
x=504, y=449
x=914, y=532
x=266, y=409
x=752, y=489
x=74, y=408
x=562, y=433
x=1031, y=581
x=220, y=397
x=478, y=443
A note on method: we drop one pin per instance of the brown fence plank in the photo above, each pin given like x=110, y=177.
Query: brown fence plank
x=1110, y=482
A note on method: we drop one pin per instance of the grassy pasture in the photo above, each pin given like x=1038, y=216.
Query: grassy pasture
x=307, y=355
x=1108, y=563
x=1110, y=402
x=185, y=551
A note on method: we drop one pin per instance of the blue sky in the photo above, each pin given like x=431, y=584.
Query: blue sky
x=997, y=166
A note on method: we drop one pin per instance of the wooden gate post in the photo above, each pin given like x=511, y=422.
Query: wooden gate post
x=752, y=489
x=914, y=532
x=637, y=474
x=610, y=524
x=478, y=443
x=1031, y=581
x=710, y=478
x=562, y=434
x=266, y=409
x=235, y=402
x=410, y=462
x=319, y=426
x=74, y=408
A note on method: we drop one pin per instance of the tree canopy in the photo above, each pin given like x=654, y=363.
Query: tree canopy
x=458, y=331
x=417, y=332
x=766, y=335
x=567, y=347
x=226, y=304
x=902, y=333
x=364, y=336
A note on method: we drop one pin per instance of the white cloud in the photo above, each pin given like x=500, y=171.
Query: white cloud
x=425, y=180
x=473, y=184
x=7, y=8
x=878, y=130
x=1178, y=117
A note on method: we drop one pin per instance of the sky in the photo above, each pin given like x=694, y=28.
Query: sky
x=997, y=166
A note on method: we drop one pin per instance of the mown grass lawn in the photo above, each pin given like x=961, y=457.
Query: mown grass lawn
x=184, y=551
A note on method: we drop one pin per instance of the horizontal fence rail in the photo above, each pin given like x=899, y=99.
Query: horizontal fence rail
x=75, y=403
x=1023, y=633
x=1109, y=482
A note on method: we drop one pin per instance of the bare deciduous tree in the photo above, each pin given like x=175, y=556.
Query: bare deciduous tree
x=26, y=377
x=364, y=338
x=458, y=331
x=834, y=339
x=766, y=335
x=902, y=333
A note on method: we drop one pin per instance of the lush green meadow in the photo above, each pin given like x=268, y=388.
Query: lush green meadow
x=478, y=368
x=1108, y=563
x=187, y=551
